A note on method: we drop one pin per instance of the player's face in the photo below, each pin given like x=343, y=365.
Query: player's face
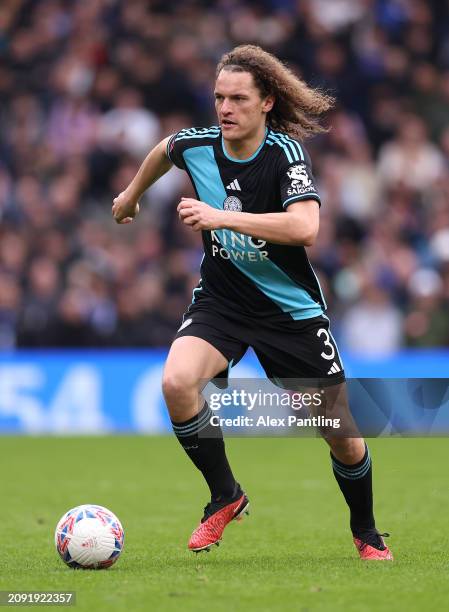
x=241, y=110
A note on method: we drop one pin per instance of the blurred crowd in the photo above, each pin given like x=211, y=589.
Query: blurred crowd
x=87, y=87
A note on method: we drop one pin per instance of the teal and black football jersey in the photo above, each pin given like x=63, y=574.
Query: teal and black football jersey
x=239, y=273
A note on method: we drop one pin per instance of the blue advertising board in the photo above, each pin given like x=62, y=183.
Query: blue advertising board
x=91, y=392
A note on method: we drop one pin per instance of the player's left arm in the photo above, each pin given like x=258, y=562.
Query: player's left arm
x=298, y=225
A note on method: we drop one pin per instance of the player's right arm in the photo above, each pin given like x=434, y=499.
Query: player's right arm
x=155, y=165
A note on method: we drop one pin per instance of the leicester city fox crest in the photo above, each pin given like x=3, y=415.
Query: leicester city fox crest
x=232, y=203
x=300, y=180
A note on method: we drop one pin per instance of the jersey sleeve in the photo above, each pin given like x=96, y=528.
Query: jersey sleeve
x=175, y=149
x=187, y=138
x=296, y=179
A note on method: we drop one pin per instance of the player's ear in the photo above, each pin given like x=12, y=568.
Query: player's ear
x=268, y=103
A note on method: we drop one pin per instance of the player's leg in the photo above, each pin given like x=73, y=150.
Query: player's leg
x=192, y=361
x=352, y=468
x=351, y=461
x=350, y=458
x=308, y=351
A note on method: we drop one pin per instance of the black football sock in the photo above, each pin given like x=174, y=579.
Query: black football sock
x=205, y=446
x=355, y=482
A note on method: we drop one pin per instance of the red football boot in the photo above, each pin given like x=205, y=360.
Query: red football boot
x=374, y=548
x=216, y=516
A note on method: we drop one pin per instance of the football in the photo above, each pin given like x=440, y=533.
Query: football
x=89, y=537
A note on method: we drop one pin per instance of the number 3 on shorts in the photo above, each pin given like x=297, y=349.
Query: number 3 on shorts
x=327, y=343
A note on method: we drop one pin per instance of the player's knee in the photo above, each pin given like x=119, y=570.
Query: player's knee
x=347, y=450
x=179, y=387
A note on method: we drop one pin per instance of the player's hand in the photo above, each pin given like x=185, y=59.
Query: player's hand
x=198, y=215
x=124, y=208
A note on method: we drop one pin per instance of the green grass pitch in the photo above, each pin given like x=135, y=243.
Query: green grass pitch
x=294, y=552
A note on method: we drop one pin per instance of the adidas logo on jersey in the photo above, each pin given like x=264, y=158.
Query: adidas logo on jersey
x=334, y=369
x=234, y=186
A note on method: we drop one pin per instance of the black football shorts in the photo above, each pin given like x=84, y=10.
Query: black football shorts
x=302, y=349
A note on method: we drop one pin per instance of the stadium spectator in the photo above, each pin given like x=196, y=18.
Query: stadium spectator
x=373, y=325
x=87, y=88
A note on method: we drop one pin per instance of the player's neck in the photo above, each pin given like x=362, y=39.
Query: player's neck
x=244, y=149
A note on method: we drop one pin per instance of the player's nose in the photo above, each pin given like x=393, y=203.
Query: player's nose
x=226, y=107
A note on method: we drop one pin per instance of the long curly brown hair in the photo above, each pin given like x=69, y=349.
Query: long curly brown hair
x=297, y=106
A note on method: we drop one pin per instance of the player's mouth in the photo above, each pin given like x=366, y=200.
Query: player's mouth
x=227, y=124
